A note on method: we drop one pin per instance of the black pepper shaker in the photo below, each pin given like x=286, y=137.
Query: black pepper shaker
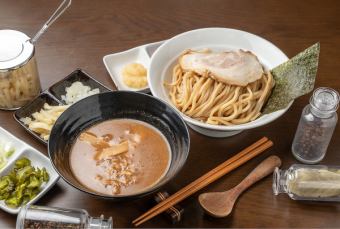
x=316, y=126
x=39, y=217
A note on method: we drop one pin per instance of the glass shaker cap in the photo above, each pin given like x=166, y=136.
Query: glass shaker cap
x=325, y=99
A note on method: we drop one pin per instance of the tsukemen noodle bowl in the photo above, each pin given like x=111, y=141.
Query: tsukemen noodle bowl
x=119, y=144
x=217, y=78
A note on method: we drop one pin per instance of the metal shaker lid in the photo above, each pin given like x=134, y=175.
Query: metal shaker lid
x=15, y=49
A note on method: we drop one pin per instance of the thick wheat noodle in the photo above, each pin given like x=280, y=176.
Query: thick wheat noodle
x=213, y=102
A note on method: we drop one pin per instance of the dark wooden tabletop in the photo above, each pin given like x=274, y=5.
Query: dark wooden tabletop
x=91, y=29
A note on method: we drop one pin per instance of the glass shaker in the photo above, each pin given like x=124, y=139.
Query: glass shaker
x=308, y=182
x=316, y=126
x=19, y=78
x=31, y=217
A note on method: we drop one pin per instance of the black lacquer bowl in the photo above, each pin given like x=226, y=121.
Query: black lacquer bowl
x=115, y=105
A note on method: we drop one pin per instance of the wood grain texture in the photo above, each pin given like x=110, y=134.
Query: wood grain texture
x=220, y=204
x=91, y=29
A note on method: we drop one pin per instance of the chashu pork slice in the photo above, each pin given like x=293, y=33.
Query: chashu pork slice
x=234, y=67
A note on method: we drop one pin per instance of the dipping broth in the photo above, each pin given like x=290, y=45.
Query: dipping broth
x=120, y=157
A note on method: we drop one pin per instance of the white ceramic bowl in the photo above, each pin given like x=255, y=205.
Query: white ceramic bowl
x=217, y=39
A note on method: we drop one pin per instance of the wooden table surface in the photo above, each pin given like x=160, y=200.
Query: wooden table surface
x=91, y=29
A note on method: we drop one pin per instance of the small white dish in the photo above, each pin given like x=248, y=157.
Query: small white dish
x=37, y=159
x=14, y=142
x=115, y=62
x=218, y=39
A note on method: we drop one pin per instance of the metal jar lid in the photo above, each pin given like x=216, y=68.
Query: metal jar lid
x=15, y=49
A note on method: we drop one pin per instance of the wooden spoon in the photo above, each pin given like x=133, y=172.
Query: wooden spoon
x=220, y=204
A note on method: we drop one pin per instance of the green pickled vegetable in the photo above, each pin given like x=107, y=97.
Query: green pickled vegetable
x=4, y=196
x=44, y=175
x=34, y=182
x=24, y=173
x=3, y=184
x=21, y=163
x=13, y=202
x=22, y=184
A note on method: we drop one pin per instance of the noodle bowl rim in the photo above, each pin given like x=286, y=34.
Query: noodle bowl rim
x=262, y=120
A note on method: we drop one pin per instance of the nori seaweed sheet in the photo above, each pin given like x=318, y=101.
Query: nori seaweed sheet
x=294, y=78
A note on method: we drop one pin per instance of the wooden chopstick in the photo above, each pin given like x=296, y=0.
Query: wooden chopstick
x=206, y=182
x=227, y=166
x=205, y=176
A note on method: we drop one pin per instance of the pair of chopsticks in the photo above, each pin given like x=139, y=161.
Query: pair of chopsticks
x=224, y=168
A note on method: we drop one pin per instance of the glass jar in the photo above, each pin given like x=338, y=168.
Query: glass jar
x=19, y=78
x=316, y=126
x=308, y=182
x=31, y=217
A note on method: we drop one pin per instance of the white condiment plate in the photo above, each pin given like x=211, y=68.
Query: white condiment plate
x=14, y=142
x=116, y=61
x=37, y=158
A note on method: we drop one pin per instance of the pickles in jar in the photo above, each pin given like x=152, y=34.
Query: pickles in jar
x=19, y=86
